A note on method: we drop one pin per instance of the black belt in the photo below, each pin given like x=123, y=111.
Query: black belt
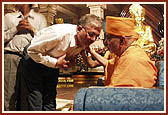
x=25, y=54
x=15, y=53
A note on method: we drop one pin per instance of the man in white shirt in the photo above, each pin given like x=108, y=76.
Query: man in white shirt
x=52, y=48
x=19, y=29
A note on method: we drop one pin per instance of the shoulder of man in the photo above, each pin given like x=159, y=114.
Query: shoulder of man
x=12, y=14
x=37, y=14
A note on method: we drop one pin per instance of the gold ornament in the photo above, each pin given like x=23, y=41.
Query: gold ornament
x=145, y=41
x=59, y=20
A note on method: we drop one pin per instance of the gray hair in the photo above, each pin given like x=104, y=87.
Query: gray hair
x=90, y=20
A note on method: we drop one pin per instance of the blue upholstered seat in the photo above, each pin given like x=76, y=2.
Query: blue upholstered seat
x=119, y=99
x=160, y=80
x=122, y=98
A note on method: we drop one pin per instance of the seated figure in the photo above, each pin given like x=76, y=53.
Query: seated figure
x=132, y=66
x=145, y=39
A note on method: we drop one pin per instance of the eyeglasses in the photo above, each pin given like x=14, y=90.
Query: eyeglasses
x=92, y=34
x=108, y=37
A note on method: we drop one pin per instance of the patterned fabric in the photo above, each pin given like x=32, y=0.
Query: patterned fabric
x=119, y=99
x=160, y=68
x=161, y=74
x=80, y=99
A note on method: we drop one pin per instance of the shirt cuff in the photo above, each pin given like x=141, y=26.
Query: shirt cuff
x=89, y=54
x=35, y=32
x=53, y=62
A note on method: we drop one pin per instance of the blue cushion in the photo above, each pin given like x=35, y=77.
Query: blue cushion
x=160, y=77
x=161, y=74
x=119, y=99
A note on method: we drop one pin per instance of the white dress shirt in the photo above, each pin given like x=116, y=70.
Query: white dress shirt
x=15, y=43
x=52, y=42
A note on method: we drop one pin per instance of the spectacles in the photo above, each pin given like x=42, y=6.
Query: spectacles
x=108, y=37
x=92, y=34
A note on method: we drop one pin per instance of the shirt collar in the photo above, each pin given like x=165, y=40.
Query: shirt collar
x=73, y=42
x=74, y=45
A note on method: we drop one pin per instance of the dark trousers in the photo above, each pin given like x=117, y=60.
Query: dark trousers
x=41, y=82
x=21, y=89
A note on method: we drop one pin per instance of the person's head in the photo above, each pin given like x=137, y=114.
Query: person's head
x=119, y=34
x=21, y=6
x=88, y=30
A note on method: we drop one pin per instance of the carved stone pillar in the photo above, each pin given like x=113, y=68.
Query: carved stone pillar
x=98, y=10
x=49, y=10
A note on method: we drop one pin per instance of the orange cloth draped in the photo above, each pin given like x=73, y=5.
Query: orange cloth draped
x=109, y=56
x=132, y=69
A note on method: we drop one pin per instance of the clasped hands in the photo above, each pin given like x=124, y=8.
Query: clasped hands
x=24, y=26
x=69, y=61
